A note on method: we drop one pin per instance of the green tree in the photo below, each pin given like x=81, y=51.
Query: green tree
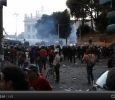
x=101, y=23
x=82, y=30
x=64, y=25
x=87, y=8
x=56, y=16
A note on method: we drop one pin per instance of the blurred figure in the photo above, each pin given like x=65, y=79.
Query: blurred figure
x=37, y=81
x=24, y=61
x=19, y=53
x=56, y=64
x=89, y=66
x=38, y=60
x=32, y=55
x=43, y=54
x=51, y=55
x=6, y=53
x=110, y=81
x=14, y=79
x=72, y=54
x=11, y=54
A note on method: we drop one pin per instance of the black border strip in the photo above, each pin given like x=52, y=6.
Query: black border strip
x=57, y=95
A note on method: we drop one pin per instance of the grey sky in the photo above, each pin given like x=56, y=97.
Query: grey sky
x=27, y=6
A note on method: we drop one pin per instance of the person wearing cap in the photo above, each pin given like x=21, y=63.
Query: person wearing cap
x=37, y=81
x=56, y=64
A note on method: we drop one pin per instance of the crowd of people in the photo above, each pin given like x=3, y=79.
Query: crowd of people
x=31, y=68
x=28, y=75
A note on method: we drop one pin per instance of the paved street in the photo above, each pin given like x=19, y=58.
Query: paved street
x=74, y=77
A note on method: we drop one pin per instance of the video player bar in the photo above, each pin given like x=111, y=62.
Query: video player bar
x=58, y=95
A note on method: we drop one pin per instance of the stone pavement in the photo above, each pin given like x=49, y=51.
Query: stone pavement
x=73, y=77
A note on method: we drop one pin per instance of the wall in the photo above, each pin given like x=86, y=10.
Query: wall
x=99, y=39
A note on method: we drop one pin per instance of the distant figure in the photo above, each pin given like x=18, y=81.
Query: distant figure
x=43, y=54
x=24, y=61
x=38, y=60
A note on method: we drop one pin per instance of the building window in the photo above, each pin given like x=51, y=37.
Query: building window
x=28, y=36
x=28, y=28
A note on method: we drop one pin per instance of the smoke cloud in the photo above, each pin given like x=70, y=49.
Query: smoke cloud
x=47, y=30
x=72, y=36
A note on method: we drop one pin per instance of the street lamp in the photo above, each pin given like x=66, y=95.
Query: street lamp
x=16, y=15
x=80, y=24
x=58, y=31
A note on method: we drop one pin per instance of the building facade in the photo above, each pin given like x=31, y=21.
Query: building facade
x=29, y=25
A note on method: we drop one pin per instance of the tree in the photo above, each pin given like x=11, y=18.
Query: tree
x=101, y=23
x=64, y=25
x=87, y=8
x=47, y=26
x=82, y=30
x=56, y=16
x=76, y=7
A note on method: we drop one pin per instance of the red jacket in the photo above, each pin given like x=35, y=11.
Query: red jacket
x=41, y=84
x=43, y=53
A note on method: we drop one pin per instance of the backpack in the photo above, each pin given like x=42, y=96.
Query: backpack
x=91, y=61
x=109, y=63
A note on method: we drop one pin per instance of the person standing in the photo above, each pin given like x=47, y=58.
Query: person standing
x=38, y=60
x=43, y=54
x=56, y=64
x=89, y=66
